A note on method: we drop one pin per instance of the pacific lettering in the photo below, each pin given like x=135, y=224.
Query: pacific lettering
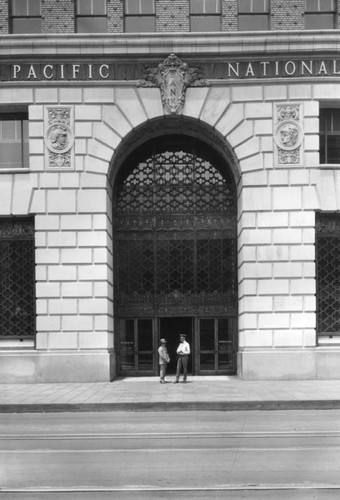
x=48, y=75
x=244, y=69
x=102, y=74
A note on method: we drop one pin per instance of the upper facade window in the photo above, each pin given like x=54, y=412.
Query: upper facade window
x=205, y=15
x=25, y=16
x=253, y=15
x=330, y=136
x=13, y=141
x=140, y=16
x=320, y=14
x=91, y=16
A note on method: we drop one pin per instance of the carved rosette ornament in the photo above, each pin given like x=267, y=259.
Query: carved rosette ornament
x=288, y=134
x=173, y=76
x=59, y=137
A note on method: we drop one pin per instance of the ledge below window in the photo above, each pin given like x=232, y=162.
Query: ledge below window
x=17, y=343
x=329, y=341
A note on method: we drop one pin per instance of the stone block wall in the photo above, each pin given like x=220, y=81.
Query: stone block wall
x=276, y=214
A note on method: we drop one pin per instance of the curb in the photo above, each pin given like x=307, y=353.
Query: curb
x=173, y=406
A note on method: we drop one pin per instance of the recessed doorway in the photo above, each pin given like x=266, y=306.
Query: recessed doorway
x=170, y=329
x=175, y=248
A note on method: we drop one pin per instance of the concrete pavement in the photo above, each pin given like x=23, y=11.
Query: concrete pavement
x=147, y=394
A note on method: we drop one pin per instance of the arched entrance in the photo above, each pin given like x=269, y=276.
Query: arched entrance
x=175, y=256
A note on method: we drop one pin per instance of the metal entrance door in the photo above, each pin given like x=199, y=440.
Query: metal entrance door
x=136, y=346
x=174, y=221
x=170, y=329
x=217, y=349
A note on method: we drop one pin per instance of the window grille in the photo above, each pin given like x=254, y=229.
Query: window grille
x=175, y=229
x=328, y=274
x=253, y=15
x=25, y=16
x=205, y=15
x=17, y=286
x=140, y=16
x=329, y=136
x=13, y=140
x=320, y=14
x=91, y=16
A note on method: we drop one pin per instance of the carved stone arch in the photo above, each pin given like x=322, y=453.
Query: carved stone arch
x=180, y=125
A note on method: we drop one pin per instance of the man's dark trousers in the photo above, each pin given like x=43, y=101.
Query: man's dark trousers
x=182, y=361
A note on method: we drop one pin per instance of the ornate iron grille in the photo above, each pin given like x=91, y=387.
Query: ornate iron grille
x=328, y=274
x=17, y=298
x=175, y=226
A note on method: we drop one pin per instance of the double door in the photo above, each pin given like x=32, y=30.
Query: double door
x=213, y=343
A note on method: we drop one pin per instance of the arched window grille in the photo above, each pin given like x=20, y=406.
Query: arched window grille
x=175, y=230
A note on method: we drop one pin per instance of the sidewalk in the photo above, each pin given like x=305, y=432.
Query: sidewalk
x=147, y=394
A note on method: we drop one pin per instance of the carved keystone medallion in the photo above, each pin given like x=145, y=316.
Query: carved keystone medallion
x=173, y=77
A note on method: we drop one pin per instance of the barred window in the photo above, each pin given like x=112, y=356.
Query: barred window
x=205, y=15
x=140, y=16
x=253, y=15
x=328, y=274
x=25, y=16
x=91, y=16
x=13, y=140
x=330, y=136
x=320, y=14
x=17, y=285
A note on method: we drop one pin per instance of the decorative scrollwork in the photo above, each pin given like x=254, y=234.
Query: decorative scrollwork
x=288, y=112
x=173, y=77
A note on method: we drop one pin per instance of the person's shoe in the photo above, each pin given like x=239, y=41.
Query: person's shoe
x=176, y=381
x=184, y=381
x=162, y=381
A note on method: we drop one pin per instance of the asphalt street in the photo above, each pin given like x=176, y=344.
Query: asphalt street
x=129, y=455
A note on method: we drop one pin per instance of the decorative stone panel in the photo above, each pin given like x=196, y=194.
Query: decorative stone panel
x=59, y=137
x=288, y=134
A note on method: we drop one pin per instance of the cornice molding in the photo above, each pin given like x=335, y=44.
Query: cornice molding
x=156, y=45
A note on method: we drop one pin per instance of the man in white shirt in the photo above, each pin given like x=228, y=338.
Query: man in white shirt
x=183, y=351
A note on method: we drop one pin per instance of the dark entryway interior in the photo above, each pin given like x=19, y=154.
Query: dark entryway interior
x=170, y=329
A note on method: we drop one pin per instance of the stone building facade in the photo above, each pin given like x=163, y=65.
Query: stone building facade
x=106, y=114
